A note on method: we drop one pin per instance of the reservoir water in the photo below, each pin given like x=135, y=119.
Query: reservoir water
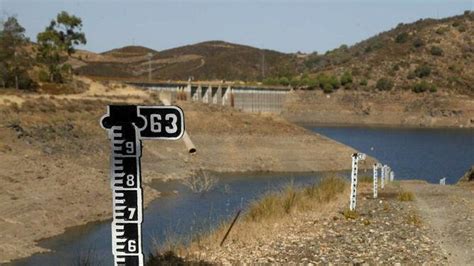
x=428, y=154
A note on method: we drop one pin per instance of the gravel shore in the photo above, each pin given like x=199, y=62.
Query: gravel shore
x=386, y=231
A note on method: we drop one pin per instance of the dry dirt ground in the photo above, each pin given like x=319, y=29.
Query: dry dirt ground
x=394, y=108
x=54, y=157
x=449, y=210
x=385, y=231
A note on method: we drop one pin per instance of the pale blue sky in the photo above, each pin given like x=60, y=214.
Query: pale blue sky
x=286, y=26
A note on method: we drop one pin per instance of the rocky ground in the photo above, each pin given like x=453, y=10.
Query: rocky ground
x=386, y=231
x=449, y=211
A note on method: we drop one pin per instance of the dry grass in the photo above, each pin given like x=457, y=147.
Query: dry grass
x=414, y=219
x=270, y=213
x=365, y=179
x=350, y=214
x=200, y=182
x=290, y=199
x=406, y=196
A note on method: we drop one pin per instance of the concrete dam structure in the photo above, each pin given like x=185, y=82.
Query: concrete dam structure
x=244, y=98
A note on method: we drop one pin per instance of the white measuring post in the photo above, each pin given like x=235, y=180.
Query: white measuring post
x=392, y=176
x=383, y=176
x=377, y=166
x=127, y=125
x=375, y=180
x=442, y=181
x=355, y=162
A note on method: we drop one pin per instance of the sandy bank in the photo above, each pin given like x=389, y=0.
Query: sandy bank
x=395, y=108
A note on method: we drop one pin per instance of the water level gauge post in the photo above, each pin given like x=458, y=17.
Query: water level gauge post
x=356, y=157
x=127, y=125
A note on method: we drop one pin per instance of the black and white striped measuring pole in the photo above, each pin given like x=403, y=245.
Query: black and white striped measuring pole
x=355, y=167
x=127, y=125
x=377, y=166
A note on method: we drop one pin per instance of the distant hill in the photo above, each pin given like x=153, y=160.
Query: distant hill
x=204, y=61
x=428, y=53
x=130, y=51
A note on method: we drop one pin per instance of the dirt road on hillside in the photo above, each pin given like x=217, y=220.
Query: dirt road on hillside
x=449, y=210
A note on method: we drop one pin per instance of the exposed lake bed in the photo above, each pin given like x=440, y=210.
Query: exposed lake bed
x=179, y=213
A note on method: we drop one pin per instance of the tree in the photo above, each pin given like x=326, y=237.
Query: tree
x=15, y=60
x=57, y=41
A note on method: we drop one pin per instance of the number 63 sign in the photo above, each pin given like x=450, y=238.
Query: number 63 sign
x=127, y=125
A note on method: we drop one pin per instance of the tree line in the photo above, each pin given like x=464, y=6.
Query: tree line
x=22, y=62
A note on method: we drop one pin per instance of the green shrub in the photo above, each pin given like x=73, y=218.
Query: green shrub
x=310, y=83
x=363, y=82
x=284, y=81
x=270, y=81
x=442, y=30
x=418, y=42
x=346, y=78
x=328, y=83
x=295, y=82
x=327, y=87
x=334, y=82
x=424, y=86
x=456, y=23
x=462, y=28
x=373, y=46
x=384, y=84
x=26, y=83
x=43, y=76
x=423, y=71
x=402, y=38
x=436, y=51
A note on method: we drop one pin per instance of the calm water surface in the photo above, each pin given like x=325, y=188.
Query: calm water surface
x=428, y=154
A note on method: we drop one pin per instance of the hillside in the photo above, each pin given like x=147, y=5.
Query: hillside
x=203, y=61
x=425, y=55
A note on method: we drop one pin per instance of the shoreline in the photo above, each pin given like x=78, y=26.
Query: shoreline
x=155, y=196
x=375, y=125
